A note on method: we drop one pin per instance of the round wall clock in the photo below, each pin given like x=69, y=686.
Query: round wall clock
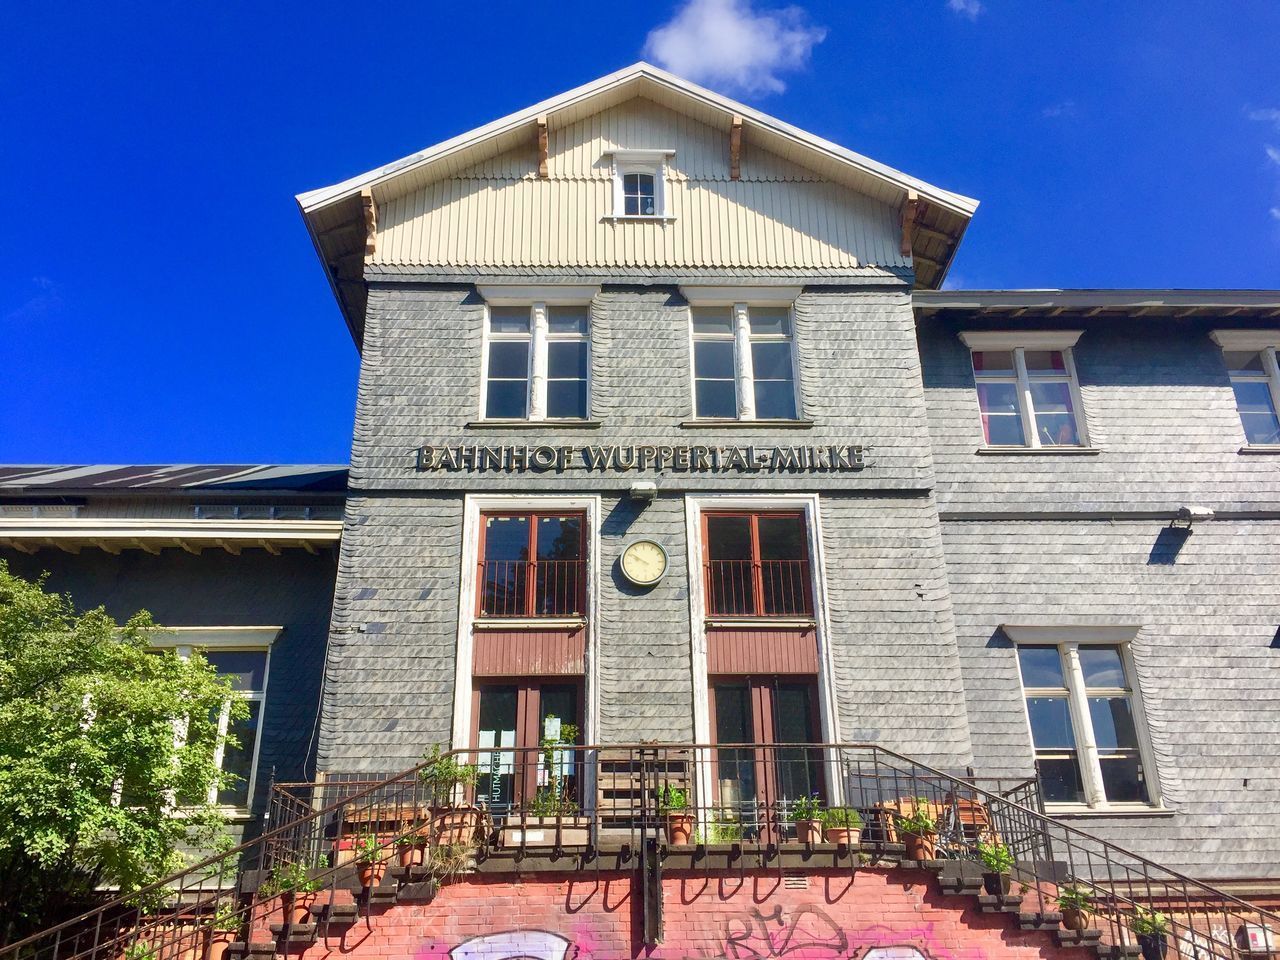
x=644, y=562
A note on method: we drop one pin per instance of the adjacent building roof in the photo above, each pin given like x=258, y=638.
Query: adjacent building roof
x=335, y=215
x=1245, y=304
x=107, y=478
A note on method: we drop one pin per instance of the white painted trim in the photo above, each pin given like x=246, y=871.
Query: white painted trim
x=1011, y=339
x=754, y=295
x=828, y=706
x=652, y=163
x=473, y=506
x=100, y=528
x=640, y=156
x=523, y=294
x=537, y=398
x=743, y=367
x=1246, y=339
x=1059, y=633
x=220, y=638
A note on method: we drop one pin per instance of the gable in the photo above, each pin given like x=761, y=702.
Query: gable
x=500, y=213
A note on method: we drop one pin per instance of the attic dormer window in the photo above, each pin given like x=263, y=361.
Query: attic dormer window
x=639, y=184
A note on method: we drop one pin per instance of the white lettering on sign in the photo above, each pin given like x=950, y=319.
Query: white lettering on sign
x=831, y=458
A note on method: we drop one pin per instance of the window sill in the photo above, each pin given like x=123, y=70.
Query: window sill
x=528, y=623
x=533, y=424
x=1263, y=449
x=747, y=424
x=636, y=218
x=1127, y=810
x=1038, y=451
x=760, y=622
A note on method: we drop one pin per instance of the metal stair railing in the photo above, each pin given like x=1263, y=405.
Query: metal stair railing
x=736, y=798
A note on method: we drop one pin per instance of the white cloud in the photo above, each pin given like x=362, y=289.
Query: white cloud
x=1265, y=115
x=36, y=307
x=1275, y=213
x=1067, y=108
x=728, y=44
x=966, y=8
x=1273, y=154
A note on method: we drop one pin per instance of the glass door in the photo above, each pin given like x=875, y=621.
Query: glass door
x=522, y=728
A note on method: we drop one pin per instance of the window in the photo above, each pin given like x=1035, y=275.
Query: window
x=639, y=183
x=1252, y=365
x=537, y=362
x=247, y=671
x=532, y=565
x=757, y=565
x=1084, y=726
x=1028, y=394
x=743, y=364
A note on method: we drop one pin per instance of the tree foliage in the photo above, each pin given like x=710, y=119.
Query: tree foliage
x=106, y=755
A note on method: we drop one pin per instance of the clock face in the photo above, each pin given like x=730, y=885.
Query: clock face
x=644, y=562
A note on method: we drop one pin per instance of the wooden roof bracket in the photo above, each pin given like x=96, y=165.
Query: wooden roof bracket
x=543, y=173
x=735, y=149
x=370, y=222
x=911, y=209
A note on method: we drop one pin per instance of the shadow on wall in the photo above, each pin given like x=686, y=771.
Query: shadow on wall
x=1164, y=552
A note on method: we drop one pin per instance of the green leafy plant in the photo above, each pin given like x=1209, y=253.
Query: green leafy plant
x=1149, y=923
x=841, y=818
x=724, y=830
x=443, y=773
x=1071, y=897
x=449, y=860
x=918, y=823
x=672, y=799
x=367, y=848
x=995, y=857
x=226, y=917
x=550, y=802
x=292, y=877
x=87, y=707
x=140, y=951
x=806, y=808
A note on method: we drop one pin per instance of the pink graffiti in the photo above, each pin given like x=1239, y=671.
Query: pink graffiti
x=513, y=945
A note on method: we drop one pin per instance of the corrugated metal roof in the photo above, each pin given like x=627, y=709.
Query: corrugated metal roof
x=317, y=478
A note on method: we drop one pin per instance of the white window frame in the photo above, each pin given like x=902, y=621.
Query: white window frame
x=740, y=300
x=1018, y=342
x=1265, y=342
x=652, y=162
x=828, y=709
x=1068, y=641
x=537, y=299
x=184, y=640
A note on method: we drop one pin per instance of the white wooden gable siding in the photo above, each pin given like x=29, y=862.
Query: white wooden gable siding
x=499, y=213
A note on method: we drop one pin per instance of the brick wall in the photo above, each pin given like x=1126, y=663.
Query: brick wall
x=866, y=914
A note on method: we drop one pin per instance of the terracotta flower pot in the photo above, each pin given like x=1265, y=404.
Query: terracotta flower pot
x=287, y=900
x=809, y=831
x=454, y=825
x=679, y=828
x=410, y=854
x=843, y=835
x=1073, y=918
x=219, y=941
x=370, y=874
x=997, y=884
x=920, y=846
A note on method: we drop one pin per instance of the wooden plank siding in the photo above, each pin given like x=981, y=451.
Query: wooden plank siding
x=500, y=213
x=740, y=651
x=529, y=652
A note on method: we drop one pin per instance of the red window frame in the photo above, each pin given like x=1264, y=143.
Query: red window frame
x=793, y=586
x=573, y=589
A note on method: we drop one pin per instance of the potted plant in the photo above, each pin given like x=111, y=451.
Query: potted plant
x=998, y=862
x=918, y=831
x=292, y=883
x=138, y=950
x=673, y=805
x=841, y=825
x=224, y=927
x=410, y=847
x=445, y=778
x=1152, y=929
x=805, y=813
x=548, y=816
x=371, y=862
x=1074, y=904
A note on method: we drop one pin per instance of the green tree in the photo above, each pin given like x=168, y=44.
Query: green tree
x=106, y=756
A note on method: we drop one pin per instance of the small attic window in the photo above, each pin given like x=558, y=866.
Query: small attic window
x=639, y=184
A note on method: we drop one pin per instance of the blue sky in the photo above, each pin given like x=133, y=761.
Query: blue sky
x=160, y=300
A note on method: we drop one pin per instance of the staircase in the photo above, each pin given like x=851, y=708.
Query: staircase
x=588, y=819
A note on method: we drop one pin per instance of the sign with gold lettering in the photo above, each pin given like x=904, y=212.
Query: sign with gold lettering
x=697, y=458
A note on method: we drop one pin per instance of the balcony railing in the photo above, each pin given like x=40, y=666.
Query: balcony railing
x=532, y=588
x=652, y=808
x=764, y=588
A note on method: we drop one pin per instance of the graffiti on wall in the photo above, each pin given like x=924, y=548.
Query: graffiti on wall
x=514, y=945
x=753, y=934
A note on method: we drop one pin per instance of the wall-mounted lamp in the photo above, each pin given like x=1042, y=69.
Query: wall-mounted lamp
x=1188, y=515
x=644, y=490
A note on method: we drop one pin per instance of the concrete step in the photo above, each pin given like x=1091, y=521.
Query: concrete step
x=295, y=933
x=336, y=913
x=1039, y=921
x=1007, y=903
x=1080, y=938
x=421, y=892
